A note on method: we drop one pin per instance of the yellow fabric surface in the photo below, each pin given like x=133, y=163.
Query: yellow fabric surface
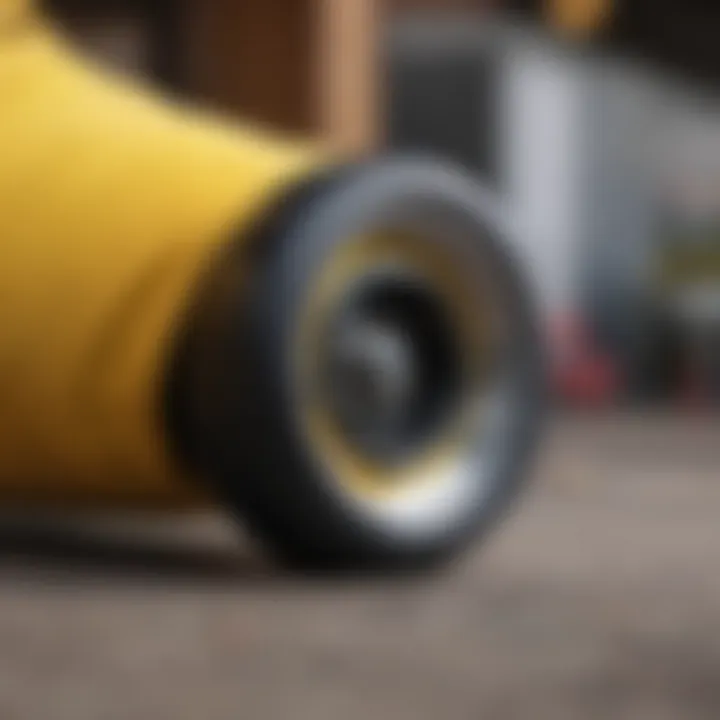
x=111, y=204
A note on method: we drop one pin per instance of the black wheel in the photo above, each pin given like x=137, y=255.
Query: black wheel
x=364, y=383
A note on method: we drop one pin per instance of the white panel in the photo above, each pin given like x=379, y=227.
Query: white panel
x=545, y=155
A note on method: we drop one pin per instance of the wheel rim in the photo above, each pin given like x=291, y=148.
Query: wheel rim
x=439, y=454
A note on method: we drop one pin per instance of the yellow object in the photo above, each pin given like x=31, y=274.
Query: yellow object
x=112, y=202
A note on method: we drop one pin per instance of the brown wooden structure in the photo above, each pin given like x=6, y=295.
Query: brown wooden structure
x=306, y=66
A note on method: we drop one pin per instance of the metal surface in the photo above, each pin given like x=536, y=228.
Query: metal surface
x=458, y=460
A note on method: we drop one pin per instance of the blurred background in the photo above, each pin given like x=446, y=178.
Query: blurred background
x=597, y=121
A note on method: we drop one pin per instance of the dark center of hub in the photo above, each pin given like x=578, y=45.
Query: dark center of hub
x=393, y=368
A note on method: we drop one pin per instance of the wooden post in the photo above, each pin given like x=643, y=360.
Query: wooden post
x=349, y=73
x=302, y=65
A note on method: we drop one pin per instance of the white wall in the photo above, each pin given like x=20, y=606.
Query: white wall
x=543, y=114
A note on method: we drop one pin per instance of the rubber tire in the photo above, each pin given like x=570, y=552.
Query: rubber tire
x=229, y=411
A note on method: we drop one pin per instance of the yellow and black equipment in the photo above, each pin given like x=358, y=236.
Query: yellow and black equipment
x=195, y=311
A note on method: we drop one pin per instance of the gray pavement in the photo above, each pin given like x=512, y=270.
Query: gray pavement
x=599, y=598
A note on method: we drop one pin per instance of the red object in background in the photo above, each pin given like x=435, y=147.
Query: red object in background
x=581, y=374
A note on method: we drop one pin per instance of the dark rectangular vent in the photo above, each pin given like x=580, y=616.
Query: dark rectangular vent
x=443, y=97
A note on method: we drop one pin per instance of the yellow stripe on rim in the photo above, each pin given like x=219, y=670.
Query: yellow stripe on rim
x=442, y=268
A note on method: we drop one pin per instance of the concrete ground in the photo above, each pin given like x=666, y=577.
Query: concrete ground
x=599, y=598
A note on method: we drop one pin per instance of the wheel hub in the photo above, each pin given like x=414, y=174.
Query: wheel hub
x=375, y=376
x=391, y=368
